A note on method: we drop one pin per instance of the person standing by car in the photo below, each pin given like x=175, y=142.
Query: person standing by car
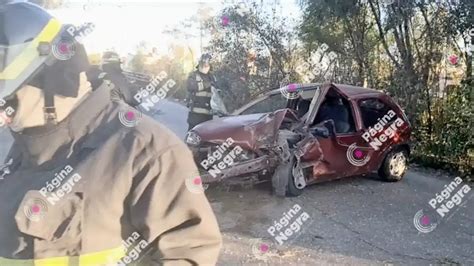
x=203, y=96
x=85, y=180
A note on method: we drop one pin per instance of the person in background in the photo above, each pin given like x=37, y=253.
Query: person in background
x=112, y=66
x=203, y=94
x=111, y=69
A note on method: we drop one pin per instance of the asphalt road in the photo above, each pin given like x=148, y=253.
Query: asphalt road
x=353, y=221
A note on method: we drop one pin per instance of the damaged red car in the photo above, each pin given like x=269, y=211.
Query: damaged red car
x=298, y=137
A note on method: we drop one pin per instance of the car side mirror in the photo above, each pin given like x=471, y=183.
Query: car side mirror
x=331, y=127
x=320, y=132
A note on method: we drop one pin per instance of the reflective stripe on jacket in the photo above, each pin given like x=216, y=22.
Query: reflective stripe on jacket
x=199, y=110
x=101, y=175
x=207, y=94
x=199, y=85
x=107, y=257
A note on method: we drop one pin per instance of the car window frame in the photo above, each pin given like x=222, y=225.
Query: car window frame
x=239, y=111
x=244, y=108
x=384, y=101
x=352, y=108
x=354, y=120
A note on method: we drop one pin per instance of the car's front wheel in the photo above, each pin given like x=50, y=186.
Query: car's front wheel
x=394, y=166
x=296, y=181
x=284, y=181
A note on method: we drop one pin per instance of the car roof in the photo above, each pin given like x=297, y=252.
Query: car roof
x=304, y=87
x=357, y=92
x=349, y=90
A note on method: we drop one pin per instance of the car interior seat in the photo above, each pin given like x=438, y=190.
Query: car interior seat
x=334, y=109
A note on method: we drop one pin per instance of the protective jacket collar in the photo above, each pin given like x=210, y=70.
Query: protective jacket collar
x=49, y=146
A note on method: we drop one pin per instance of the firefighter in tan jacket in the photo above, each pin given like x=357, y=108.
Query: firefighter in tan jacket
x=88, y=181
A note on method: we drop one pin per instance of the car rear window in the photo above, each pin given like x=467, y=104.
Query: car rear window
x=372, y=110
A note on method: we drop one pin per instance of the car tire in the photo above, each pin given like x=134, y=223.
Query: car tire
x=283, y=181
x=394, y=165
x=292, y=190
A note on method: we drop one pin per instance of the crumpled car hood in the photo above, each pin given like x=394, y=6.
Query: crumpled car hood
x=248, y=131
x=221, y=126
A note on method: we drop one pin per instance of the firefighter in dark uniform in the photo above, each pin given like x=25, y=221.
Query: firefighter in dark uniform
x=112, y=66
x=200, y=84
x=87, y=181
x=111, y=69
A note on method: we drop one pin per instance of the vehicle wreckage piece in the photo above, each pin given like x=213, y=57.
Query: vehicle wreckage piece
x=279, y=141
x=291, y=168
x=241, y=168
x=302, y=148
x=280, y=176
x=258, y=138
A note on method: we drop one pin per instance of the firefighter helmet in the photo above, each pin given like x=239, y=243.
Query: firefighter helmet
x=37, y=49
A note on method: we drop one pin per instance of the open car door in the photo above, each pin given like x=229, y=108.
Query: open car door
x=340, y=154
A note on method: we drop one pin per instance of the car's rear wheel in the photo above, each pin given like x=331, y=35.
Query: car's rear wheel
x=394, y=166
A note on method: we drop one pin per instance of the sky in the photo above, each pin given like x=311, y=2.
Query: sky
x=121, y=25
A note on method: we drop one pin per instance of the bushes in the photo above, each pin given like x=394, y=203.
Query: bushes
x=450, y=144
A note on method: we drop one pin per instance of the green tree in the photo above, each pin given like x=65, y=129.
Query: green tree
x=254, y=50
x=401, y=46
x=137, y=63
